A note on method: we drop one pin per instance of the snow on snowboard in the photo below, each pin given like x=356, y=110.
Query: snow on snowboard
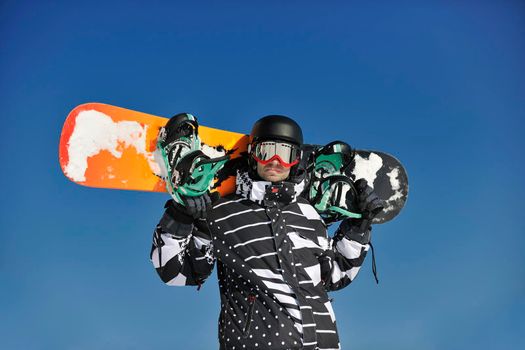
x=111, y=147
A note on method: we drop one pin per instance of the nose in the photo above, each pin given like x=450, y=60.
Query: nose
x=274, y=162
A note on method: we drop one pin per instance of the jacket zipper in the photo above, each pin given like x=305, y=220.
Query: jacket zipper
x=251, y=304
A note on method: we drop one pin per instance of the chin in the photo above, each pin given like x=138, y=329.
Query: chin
x=276, y=178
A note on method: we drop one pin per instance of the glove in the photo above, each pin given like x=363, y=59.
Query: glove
x=369, y=205
x=193, y=207
x=197, y=207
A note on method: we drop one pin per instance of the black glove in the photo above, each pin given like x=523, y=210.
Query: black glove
x=369, y=205
x=197, y=207
x=193, y=208
x=367, y=200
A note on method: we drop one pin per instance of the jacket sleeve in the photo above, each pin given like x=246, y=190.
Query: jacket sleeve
x=342, y=261
x=182, y=251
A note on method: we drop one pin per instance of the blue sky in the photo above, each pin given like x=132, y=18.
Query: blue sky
x=440, y=85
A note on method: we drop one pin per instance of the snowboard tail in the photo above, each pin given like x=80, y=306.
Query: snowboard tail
x=111, y=147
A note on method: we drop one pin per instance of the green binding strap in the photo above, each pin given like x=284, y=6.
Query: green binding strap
x=169, y=185
x=345, y=212
x=202, y=175
x=328, y=178
x=322, y=197
x=331, y=163
x=196, y=172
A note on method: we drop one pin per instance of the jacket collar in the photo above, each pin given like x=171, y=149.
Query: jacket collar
x=266, y=191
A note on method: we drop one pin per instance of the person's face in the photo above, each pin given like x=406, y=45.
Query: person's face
x=273, y=171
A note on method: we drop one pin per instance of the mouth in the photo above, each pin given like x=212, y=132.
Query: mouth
x=274, y=170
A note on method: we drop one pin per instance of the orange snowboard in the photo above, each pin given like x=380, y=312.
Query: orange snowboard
x=111, y=147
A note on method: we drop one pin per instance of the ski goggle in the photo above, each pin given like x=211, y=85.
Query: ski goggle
x=287, y=154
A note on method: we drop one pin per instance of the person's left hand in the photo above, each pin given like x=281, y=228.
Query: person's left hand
x=368, y=202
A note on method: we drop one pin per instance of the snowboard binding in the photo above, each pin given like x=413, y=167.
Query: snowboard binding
x=186, y=170
x=331, y=192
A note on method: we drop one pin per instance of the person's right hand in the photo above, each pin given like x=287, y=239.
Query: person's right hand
x=196, y=207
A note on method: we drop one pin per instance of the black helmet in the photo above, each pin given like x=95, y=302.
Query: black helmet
x=277, y=127
x=274, y=128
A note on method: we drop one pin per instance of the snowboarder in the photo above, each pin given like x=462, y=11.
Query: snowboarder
x=275, y=261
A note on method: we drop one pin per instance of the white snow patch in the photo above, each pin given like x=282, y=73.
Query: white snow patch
x=367, y=168
x=394, y=182
x=161, y=170
x=393, y=178
x=211, y=151
x=95, y=132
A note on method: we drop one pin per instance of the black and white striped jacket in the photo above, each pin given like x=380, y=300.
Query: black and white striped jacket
x=275, y=265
